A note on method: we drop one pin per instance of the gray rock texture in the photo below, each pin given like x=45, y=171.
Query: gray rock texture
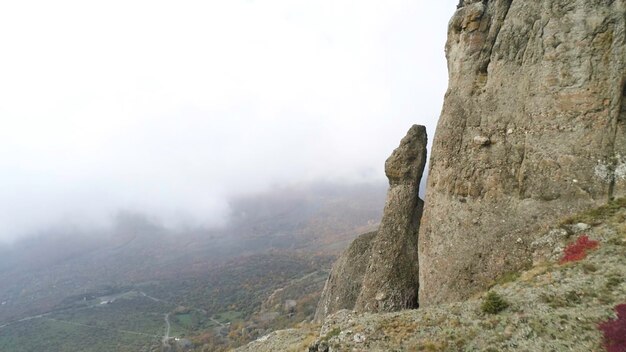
x=533, y=128
x=391, y=280
x=379, y=271
x=346, y=277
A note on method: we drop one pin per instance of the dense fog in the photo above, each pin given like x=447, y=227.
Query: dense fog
x=172, y=109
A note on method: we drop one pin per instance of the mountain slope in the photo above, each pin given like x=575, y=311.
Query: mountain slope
x=551, y=306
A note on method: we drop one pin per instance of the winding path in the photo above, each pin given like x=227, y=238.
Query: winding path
x=217, y=322
x=166, y=337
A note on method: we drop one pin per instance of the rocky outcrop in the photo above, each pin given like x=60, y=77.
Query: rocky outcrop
x=379, y=271
x=343, y=285
x=550, y=307
x=391, y=281
x=533, y=128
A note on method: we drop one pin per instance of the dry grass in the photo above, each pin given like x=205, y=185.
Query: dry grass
x=598, y=215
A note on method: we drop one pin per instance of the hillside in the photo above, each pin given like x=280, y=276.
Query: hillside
x=131, y=281
x=552, y=306
x=532, y=131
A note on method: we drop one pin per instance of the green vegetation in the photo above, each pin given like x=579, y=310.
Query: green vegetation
x=569, y=299
x=613, y=281
x=548, y=306
x=597, y=215
x=184, y=319
x=238, y=286
x=212, y=283
x=189, y=323
x=134, y=323
x=51, y=335
x=493, y=303
x=228, y=316
x=589, y=268
x=211, y=308
x=334, y=332
x=136, y=314
x=507, y=277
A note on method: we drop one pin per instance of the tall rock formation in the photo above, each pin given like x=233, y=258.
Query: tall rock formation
x=533, y=127
x=391, y=281
x=379, y=271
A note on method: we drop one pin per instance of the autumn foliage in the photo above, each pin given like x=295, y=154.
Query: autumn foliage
x=615, y=331
x=578, y=250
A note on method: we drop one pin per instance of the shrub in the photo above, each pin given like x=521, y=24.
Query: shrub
x=615, y=331
x=614, y=281
x=494, y=303
x=578, y=250
x=334, y=332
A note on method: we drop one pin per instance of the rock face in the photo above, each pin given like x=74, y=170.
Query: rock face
x=379, y=271
x=346, y=277
x=391, y=281
x=533, y=128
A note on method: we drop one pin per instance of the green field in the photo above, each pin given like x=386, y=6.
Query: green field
x=132, y=323
x=59, y=336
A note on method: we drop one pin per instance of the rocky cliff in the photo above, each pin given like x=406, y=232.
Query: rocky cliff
x=533, y=127
x=533, y=130
x=552, y=306
x=391, y=280
x=344, y=283
x=379, y=271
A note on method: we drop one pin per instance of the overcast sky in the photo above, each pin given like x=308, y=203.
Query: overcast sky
x=169, y=107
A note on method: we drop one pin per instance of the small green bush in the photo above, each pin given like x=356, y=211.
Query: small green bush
x=508, y=277
x=494, y=303
x=334, y=332
x=589, y=268
x=614, y=281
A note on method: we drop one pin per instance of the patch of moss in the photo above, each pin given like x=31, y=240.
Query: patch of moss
x=589, y=267
x=572, y=298
x=334, y=332
x=508, y=277
x=597, y=215
x=614, y=281
x=433, y=346
x=538, y=327
x=553, y=301
x=494, y=303
x=616, y=241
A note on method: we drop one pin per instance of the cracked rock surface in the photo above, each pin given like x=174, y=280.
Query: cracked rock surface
x=533, y=128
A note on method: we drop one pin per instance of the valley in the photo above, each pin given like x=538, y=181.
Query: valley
x=142, y=287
